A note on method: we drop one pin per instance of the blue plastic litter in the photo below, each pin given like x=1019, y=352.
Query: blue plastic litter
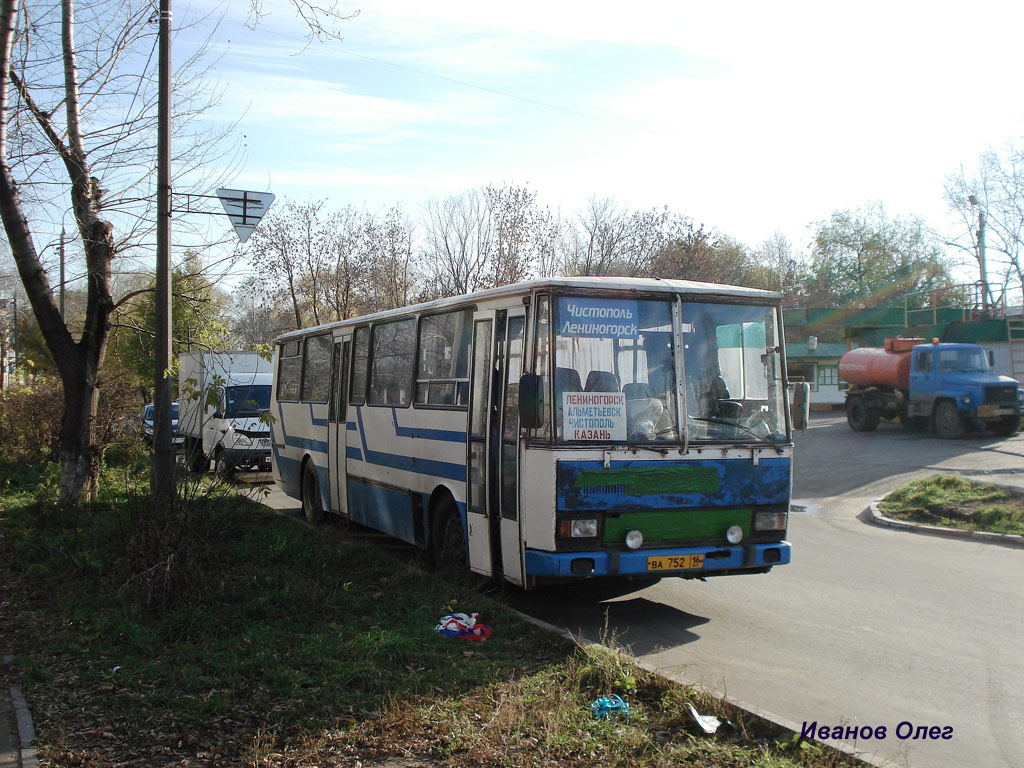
x=610, y=707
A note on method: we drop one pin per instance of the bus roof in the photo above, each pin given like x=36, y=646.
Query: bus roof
x=639, y=285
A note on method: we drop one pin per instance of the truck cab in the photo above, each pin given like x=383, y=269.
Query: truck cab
x=954, y=385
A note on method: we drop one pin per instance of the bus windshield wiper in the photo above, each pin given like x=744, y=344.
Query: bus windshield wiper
x=726, y=422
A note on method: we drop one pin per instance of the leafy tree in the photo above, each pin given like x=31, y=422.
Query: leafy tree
x=863, y=257
x=198, y=320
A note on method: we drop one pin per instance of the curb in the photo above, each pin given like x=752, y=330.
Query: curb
x=1004, y=539
x=26, y=731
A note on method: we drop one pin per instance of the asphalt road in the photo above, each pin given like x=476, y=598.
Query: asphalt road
x=867, y=626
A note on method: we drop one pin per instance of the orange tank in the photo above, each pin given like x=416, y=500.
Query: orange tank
x=874, y=367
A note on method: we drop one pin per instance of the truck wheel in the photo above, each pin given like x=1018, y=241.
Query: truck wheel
x=860, y=417
x=1007, y=426
x=948, y=424
x=448, y=541
x=312, y=506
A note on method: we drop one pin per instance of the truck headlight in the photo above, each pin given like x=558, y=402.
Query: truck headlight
x=965, y=399
x=770, y=521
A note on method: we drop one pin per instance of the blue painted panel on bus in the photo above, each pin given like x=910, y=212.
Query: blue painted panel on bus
x=383, y=509
x=598, y=318
x=443, y=435
x=417, y=464
x=288, y=469
x=666, y=484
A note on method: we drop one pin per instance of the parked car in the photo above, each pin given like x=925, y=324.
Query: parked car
x=147, y=425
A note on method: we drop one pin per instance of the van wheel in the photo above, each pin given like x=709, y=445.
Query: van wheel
x=221, y=468
x=312, y=506
x=448, y=540
x=195, y=459
x=948, y=424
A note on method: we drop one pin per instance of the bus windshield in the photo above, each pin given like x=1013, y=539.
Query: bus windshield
x=614, y=377
x=732, y=363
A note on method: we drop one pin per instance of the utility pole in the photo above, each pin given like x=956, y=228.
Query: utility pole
x=981, y=251
x=63, y=235
x=162, y=478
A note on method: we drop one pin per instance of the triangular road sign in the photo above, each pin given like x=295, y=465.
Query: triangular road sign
x=245, y=209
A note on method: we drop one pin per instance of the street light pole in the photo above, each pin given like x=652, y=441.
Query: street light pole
x=162, y=477
x=981, y=251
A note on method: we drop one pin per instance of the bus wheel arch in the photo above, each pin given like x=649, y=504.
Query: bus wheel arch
x=448, y=541
x=309, y=485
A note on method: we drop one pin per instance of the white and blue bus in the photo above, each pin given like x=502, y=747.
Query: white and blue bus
x=552, y=431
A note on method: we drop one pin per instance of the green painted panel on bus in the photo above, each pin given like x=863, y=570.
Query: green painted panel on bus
x=676, y=524
x=648, y=481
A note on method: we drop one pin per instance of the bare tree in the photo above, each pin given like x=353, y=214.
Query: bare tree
x=76, y=127
x=291, y=250
x=459, y=236
x=387, y=247
x=990, y=207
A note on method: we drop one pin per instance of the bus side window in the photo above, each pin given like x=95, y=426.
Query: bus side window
x=394, y=346
x=442, y=373
x=361, y=347
x=316, y=369
x=289, y=370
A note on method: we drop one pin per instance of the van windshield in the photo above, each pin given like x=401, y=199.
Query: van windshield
x=247, y=400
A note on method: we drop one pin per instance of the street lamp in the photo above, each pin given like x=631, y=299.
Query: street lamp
x=981, y=250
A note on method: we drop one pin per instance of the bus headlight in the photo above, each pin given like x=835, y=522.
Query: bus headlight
x=634, y=539
x=734, y=535
x=771, y=521
x=584, y=529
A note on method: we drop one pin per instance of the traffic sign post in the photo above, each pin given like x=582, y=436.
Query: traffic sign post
x=245, y=209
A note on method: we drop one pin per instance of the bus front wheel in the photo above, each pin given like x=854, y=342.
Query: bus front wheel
x=312, y=506
x=448, y=541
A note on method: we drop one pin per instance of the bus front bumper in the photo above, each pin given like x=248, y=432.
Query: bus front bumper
x=717, y=561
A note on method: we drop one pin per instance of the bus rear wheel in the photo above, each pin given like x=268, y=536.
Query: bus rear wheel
x=312, y=506
x=448, y=540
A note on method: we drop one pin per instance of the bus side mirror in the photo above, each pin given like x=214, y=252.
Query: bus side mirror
x=531, y=401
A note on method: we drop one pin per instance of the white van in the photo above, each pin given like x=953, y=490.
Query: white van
x=222, y=396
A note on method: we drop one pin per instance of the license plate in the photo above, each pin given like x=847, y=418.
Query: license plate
x=675, y=562
x=990, y=411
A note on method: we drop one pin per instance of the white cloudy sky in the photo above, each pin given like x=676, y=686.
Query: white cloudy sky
x=750, y=117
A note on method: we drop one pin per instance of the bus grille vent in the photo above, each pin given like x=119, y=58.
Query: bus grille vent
x=604, y=490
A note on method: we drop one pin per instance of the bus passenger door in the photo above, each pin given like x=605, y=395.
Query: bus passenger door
x=337, y=426
x=493, y=445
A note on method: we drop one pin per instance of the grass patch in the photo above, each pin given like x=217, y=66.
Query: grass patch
x=951, y=501
x=299, y=647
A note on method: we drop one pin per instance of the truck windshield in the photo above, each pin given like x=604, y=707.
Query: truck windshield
x=952, y=360
x=247, y=400
x=733, y=370
x=614, y=378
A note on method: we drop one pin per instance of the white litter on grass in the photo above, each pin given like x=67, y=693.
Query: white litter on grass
x=707, y=723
